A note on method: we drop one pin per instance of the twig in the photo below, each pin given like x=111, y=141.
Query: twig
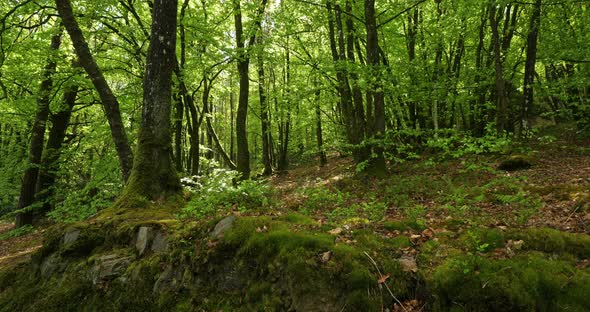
x=572, y=214
x=380, y=277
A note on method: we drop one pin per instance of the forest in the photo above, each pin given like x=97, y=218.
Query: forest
x=295, y=155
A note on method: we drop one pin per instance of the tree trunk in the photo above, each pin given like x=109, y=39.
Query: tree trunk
x=377, y=162
x=477, y=111
x=57, y=134
x=27, y=190
x=412, y=32
x=178, y=119
x=264, y=117
x=501, y=97
x=153, y=175
x=359, y=123
x=232, y=105
x=319, y=136
x=286, y=125
x=211, y=134
x=526, y=110
x=109, y=101
x=243, y=158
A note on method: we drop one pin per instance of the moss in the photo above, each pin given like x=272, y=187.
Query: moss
x=404, y=225
x=482, y=239
x=297, y=218
x=295, y=256
x=559, y=191
x=530, y=281
x=88, y=239
x=369, y=240
x=554, y=241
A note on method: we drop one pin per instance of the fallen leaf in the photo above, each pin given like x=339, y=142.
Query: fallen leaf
x=383, y=279
x=263, y=229
x=336, y=231
x=428, y=233
x=326, y=256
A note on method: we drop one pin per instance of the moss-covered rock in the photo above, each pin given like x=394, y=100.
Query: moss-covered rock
x=516, y=162
x=528, y=282
x=554, y=241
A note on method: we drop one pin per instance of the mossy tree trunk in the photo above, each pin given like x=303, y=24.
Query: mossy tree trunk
x=153, y=175
x=57, y=135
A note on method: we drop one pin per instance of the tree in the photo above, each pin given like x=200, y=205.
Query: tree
x=243, y=57
x=529, y=69
x=377, y=162
x=27, y=190
x=153, y=175
x=109, y=101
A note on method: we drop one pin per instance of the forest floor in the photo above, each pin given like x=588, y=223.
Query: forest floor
x=463, y=207
x=552, y=193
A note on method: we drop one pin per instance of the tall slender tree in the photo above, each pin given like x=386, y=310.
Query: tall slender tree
x=529, y=69
x=27, y=191
x=109, y=101
x=243, y=54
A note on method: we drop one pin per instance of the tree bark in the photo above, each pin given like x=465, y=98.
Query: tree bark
x=220, y=150
x=27, y=190
x=527, y=107
x=264, y=120
x=377, y=162
x=153, y=175
x=358, y=116
x=109, y=101
x=57, y=134
x=243, y=158
x=501, y=97
x=286, y=123
x=319, y=135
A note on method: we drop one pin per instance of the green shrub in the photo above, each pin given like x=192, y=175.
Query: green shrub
x=218, y=194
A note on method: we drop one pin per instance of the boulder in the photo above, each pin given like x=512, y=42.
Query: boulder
x=223, y=226
x=109, y=267
x=515, y=162
x=52, y=264
x=70, y=237
x=169, y=280
x=160, y=243
x=144, y=236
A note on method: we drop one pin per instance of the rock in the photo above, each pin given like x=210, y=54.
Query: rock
x=408, y=264
x=110, y=267
x=71, y=236
x=160, y=243
x=326, y=256
x=223, y=226
x=143, y=239
x=515, y=162
x=52, y=264
x=230, y=279
x=169, y=280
